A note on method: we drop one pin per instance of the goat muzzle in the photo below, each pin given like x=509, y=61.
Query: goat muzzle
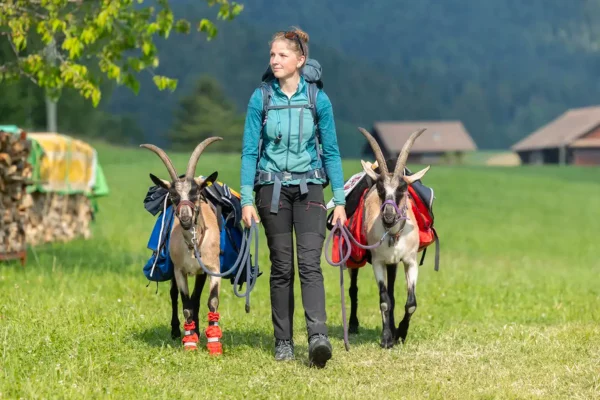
x=391, y=219
x=186, y=222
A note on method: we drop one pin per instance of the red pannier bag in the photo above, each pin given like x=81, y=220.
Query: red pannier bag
x=358, y=256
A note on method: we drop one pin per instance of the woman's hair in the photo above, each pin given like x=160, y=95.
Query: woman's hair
x=293, y=40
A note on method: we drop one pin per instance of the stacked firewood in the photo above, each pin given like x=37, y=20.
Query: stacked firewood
x=34, y=218
x=15, y=174
x=58, y=218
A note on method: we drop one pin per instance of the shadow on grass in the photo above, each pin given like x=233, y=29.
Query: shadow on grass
x=365, y=335
x=160, y=336
x=235, y=338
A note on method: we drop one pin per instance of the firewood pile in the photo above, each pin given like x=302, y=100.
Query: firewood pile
x=15, y=174
x=38, y=217
x=56, y=217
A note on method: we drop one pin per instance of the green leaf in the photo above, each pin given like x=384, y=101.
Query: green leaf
x=182, y=26
x=88, y=35
x=114, y=72
x=57, y=24
x=96, y=95
x=147, y=48
x=162, y=82
x=74, y=46
x=208, y=27
x=131, y=82
x=20, y=42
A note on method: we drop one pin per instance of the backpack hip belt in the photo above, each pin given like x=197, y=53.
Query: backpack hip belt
x=278, y=177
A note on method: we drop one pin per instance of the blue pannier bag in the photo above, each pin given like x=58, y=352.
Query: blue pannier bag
x=159, y=267
x=228, y=212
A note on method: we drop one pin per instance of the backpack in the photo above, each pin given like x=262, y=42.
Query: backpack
x=312, y=75
x=356, y=189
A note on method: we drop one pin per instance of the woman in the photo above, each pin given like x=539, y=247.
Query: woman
x=288, y=178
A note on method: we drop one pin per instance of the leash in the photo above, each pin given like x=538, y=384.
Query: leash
x=243, y=259
x=348, y=241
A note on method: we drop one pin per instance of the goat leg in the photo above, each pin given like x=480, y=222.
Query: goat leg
x=387, y=338
x=411, y=271
x=198, y=286
x=190, y=338
x=353, y=292
x=213, y=331
x=391, y=280
x=175, y=332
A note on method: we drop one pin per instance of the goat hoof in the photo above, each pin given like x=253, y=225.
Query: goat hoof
x=387, y=340
x=399, y=340
x=353, y=328
x=175, y=333
x=215, y=348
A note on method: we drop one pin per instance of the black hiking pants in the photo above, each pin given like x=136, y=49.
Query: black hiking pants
x=306, y=215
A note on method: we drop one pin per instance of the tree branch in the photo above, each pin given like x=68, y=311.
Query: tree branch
x=4, y=5
x=21, y=71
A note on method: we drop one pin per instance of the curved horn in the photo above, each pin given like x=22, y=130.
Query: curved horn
x=376, y=149
x=163, y=156
x=191, y=168
x=401, y=163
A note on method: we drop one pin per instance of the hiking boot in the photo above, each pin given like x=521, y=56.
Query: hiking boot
x=319, y=350
x=284, y=350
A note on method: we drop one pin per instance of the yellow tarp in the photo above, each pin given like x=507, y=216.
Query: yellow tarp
x=67, y=165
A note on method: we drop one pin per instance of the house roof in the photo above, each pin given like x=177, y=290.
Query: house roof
x=563, y=130
x=440, y=136
x=586, y=143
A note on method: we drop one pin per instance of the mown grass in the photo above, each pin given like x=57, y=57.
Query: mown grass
x=512, y=313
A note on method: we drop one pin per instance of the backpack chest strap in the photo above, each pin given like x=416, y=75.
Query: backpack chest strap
x=285, y=106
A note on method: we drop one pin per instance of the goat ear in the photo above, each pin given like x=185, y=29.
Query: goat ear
x=210, y=179
x=368, y=168
x=416, y=176
x=160, y=182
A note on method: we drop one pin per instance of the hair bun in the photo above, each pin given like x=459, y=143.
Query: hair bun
x=303, y=35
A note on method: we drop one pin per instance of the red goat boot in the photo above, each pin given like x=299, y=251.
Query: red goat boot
x=213, y=335
x=190, y=338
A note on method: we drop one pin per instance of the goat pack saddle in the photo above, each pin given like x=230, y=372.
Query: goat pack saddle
x=421, y=201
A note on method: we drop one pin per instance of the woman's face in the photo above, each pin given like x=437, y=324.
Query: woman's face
x=285, y=62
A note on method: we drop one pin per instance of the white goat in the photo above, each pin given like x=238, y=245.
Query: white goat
x=388, y=211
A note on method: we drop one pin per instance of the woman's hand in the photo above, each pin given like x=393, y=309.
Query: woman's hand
x=249, y=213
x=339, y=213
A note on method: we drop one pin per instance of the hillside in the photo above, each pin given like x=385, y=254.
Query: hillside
x=503, y=68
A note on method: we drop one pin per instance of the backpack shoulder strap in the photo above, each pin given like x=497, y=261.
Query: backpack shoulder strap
x=313, y=90
x=267, y=93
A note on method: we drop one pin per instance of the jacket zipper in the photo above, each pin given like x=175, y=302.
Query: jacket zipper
x=287, y=155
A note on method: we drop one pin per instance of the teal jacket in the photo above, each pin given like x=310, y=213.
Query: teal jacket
x=293, y=152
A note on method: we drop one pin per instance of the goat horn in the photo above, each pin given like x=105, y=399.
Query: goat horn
x=191, y=168
x=376, y=149
x=163, y=156
x=401, y=163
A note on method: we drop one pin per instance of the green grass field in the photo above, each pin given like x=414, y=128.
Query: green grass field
x=512, y=313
